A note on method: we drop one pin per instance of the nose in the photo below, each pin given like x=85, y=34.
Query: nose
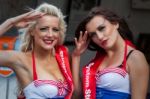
x=50, y=32
x=100, y=35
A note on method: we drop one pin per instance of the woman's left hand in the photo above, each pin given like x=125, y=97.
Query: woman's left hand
x=81, y=44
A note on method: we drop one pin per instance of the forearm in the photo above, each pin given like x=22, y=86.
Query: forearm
x=5, y=26
x=76, y=73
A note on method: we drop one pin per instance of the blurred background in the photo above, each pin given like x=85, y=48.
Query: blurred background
x=136, y=13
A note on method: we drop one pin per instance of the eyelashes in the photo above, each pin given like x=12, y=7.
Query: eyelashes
x=92, y=34
x=100, y=29
x=46, y=29
x=56, y=29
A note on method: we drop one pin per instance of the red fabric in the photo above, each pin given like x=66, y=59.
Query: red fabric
x=34, y=67
x=21, y=97
x=124, y=60
x=89, y=71
x=130, y=43
x=89, y=81
x=63, y=61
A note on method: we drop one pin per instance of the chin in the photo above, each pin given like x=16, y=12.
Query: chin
x=49, y=47
x=107, y=47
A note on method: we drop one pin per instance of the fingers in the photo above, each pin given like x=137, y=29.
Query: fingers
x=81, y=43
x=83, y=37
x=29, y=16
x=35, y=14
x=23, y=16
x=76, y=42
x=22, y=24
x=80, y=37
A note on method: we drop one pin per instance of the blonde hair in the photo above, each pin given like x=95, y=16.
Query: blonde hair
x=27, y=39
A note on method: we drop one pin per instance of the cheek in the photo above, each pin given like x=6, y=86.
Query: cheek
x=95, y=40
x=57, y=36
x=38, y=37
x=108, y=32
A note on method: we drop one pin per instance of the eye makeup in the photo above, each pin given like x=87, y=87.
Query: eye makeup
x=46, y=29
x=56, y=29
x=101, y=28
x=92, y=34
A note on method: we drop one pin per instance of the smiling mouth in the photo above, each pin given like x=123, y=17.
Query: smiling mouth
x=49, y=42
x=104, y=42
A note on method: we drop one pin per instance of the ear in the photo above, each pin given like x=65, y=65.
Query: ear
x=117, y=25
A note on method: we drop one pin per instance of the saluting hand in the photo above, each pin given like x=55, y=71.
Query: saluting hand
x=24, y=20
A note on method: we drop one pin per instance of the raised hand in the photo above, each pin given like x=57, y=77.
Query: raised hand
x=81, y=44
x=20, y=21
x=24, y=20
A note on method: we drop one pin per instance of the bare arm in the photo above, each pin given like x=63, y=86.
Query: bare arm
x=8, y=58
x=5, y=26
x=81, y=46
x=20, y=21
x=76, y=76
x=139, y=75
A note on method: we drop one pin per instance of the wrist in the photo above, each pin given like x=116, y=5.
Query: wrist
x=74, y=54
x=11, y=21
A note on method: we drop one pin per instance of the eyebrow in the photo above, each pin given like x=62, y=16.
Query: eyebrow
x=101, y=25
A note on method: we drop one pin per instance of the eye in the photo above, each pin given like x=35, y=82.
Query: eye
x=56, y=29
x=101, y=28
x=92, y=34
x=43, y=29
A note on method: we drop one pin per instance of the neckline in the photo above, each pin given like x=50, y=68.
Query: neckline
x=123, y=64
x=35, y=76
x=53, y=82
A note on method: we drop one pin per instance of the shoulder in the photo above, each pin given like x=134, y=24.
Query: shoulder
x=23, y=60
x=137, y=61
x=19, y=57
x=137, y=56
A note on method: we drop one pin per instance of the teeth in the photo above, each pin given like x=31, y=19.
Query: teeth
x=48, y=41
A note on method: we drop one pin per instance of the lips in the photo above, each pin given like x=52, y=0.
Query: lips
x=104, y=42
x=47, y=41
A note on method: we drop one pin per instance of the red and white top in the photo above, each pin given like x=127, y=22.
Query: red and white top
x=40, y=89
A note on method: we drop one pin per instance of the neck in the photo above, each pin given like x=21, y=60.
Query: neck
x=43, y=54
x=117, y=48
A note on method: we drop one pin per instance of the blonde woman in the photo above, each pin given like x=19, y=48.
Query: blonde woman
x=42, y=66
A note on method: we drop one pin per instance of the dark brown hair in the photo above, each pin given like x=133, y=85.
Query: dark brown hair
x=113, y=18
